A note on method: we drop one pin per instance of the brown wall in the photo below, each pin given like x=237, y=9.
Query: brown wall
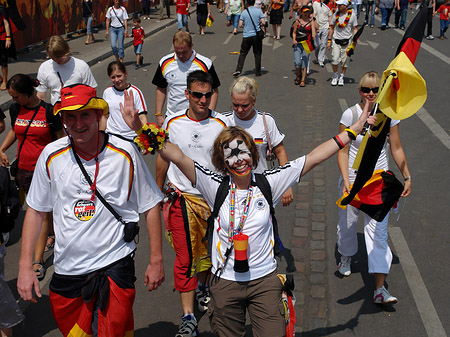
x=45, y=18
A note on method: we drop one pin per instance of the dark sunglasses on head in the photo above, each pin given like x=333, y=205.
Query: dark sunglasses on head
x=366, y=90
x=198, y=94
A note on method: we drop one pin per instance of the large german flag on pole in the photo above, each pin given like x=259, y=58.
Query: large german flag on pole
x=403, y=92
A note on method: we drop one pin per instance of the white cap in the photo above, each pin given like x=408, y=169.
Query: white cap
x=342, y=2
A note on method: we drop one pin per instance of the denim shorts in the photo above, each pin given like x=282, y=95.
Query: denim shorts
x=138, y=49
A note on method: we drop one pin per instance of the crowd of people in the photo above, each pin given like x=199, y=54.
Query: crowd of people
x=91, y=221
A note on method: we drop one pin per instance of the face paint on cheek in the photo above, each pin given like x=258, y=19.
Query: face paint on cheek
x=237, y=151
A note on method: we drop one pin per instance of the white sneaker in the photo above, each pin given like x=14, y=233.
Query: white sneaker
x=188, y=327
x=203, y=297
x=334, y=81
x=321, y=64
x=344, y=265
x=341, y=81
x=381, y=296
x=430, y=37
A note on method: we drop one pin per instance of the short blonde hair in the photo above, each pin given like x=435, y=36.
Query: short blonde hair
x=180, y=37
x=57, y=47
x=244, y=84
x=370, y=76
x=225, y=137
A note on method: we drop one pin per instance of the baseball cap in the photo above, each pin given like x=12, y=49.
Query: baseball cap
x=305, y=8
x=342, y=2
x=77, y=97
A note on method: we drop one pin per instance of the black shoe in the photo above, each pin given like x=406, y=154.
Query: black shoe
x=236, y=73
x=257, y=74
x=136, y=66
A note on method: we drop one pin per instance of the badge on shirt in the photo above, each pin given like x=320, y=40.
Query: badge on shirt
x=84, y=210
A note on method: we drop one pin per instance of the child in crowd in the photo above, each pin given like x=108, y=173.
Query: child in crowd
x=182, y=14
x=444, y=9
x=138, y=34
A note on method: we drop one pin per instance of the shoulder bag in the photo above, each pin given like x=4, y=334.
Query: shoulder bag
x=259, y=33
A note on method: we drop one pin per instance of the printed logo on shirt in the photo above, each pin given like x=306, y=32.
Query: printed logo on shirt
x=83, y=180
x=196, y=136
x=84, y=210
x=171, y=76
x=260, y=204
x=35, y=124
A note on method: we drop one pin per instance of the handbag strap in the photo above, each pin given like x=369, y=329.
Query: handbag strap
x=26, y=132
x=256, y=31
x=97, y=193
x=117, y=16
x=269, y=143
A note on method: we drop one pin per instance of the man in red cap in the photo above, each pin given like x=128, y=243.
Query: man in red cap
x=96, y=185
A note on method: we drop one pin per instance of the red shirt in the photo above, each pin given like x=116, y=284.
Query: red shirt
x=445, y=12
x=38, y=136
x=138, y=34
x=182, y=7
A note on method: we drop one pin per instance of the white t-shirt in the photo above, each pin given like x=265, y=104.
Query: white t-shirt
x=116, y=124
x=74, y=71
x=258, y=225
x=195, y=139
x=347, y=31
x=88, y=236
x=347, y=120
x=255, y=127
x=117, y=16
x=172, y=74
x=322, y=13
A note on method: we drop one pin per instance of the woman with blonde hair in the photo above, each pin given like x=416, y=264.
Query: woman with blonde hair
x=259, y=124
x=375, y=232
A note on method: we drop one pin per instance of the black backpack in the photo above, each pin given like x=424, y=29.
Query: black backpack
x=9, y=202
x=222, y=192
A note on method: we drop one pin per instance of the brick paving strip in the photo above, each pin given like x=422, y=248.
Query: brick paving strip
x=308, y=239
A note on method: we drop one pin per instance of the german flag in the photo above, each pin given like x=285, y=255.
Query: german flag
x=378, y=195
x=351, y=49
x=308, y=45
x=403, y=92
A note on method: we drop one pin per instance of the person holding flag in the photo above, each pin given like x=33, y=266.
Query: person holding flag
x=303, y=35
x=342, y=28
x=375, y=232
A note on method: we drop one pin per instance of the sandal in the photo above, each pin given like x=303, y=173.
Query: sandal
x=297, y=81
x=40, y=272
x=302, y=83
x=50, y=243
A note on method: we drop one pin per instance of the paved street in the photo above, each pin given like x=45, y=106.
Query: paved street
x=327, y=304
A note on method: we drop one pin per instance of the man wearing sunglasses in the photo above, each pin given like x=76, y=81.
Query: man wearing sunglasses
x=185, y=212
x=170, y=77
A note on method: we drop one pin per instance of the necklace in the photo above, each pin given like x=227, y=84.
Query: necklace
x=347, y=19
x=233, y=231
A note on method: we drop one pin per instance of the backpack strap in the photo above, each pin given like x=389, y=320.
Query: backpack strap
x=263, y=184
x=221, y=194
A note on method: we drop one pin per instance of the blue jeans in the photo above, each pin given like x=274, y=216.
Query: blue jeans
x=235, y=20
x=287, y=4
x=370, y=11
x=400, y=15
x=357, y=8
x=182, y=21
x=444, y=27
x=117, y=37
x=385, y=16
x=88, y=21
x=301, y=57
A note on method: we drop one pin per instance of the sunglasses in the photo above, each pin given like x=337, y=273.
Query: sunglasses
x=199, y=95
x=366, y=90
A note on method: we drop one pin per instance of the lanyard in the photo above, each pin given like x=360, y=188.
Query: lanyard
x=232, y=231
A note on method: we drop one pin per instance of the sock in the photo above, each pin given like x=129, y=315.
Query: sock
x=342, y=76
x=335, y=74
